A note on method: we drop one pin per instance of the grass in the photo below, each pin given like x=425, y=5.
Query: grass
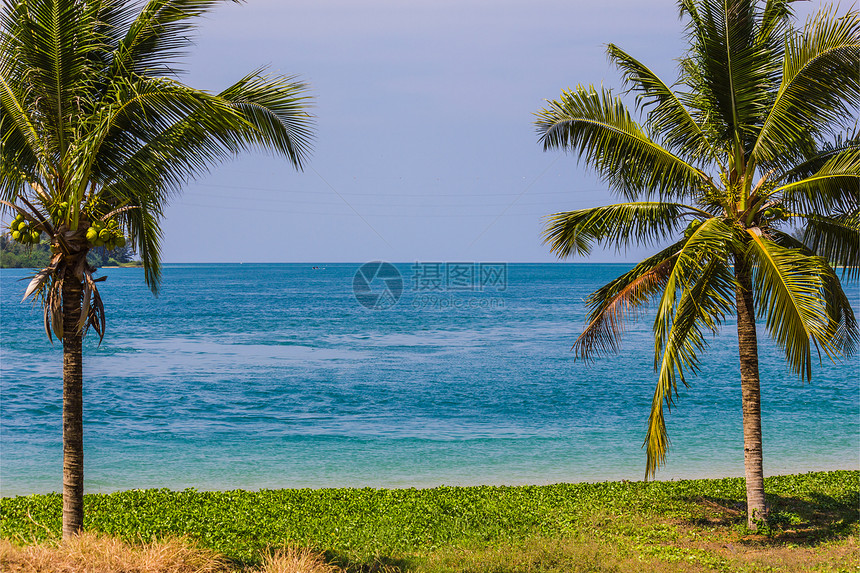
x=91, y=553
x=693, y=525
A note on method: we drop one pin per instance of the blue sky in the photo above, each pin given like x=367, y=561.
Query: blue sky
x=425, y=146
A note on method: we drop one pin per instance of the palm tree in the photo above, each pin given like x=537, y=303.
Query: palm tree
x=96, y=134
x=746, y=145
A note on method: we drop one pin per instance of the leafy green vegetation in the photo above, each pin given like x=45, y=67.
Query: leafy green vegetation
x=14, y=255
x=429, y=528
x=119, y=256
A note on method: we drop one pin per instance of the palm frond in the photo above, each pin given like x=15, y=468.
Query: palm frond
x=160, y=139
x=702, y=306
x=611, y=305
x=667, y=116
x=834, y=187
x=40, y=279
x=159, y=36
x=789, y=293
x=54, y=46
x=713, y=239
x=142, y=164
x=846, y=339
x=775, y=20
x=842, y=317
x=23, y=149
x=92, y=309
x=730, y=70
x=575, y=232
x=47, y=286
x=275, y=108
x=598, y=127
x=172, y=132
x=136, y=113
x=52, y=306
x=837, y=239
x=143, y=229
x=12, y=180
x=113, y=19
x=820, y=86
x=818, y=157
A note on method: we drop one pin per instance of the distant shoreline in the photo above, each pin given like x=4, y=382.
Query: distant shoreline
x=135, y=265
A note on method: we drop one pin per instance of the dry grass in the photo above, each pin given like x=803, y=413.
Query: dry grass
x=683, y=556
x=689, y=550
x=91, y=553
x=835, y=557
x=293, y=560
x=551, y=556
x=757, y=553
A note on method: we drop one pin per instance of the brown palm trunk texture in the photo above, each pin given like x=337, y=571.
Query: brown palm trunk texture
x=73, y=427
x=751, y=394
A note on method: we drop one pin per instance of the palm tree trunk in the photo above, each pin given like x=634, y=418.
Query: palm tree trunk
x=751, y=394
x=73, y=425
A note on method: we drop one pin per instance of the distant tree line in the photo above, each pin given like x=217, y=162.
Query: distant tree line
x=14, y=255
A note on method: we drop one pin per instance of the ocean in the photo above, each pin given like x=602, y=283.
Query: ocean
x=288, y=376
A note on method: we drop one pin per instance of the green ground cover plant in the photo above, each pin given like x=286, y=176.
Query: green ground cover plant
x=690, y=524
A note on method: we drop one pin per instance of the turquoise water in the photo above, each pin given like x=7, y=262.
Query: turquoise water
x=269, y=376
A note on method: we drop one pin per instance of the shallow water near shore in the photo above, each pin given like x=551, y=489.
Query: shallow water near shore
x=270, y=376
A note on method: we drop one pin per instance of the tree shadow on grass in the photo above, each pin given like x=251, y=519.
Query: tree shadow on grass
x=378, y=564
x=805, y=522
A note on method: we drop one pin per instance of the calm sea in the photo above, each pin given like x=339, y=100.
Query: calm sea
x=270, y=376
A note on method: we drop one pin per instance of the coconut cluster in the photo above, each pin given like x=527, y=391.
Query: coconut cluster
x=24, y=232
x=105, y=234
x=774, y=213
x=60, y=212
